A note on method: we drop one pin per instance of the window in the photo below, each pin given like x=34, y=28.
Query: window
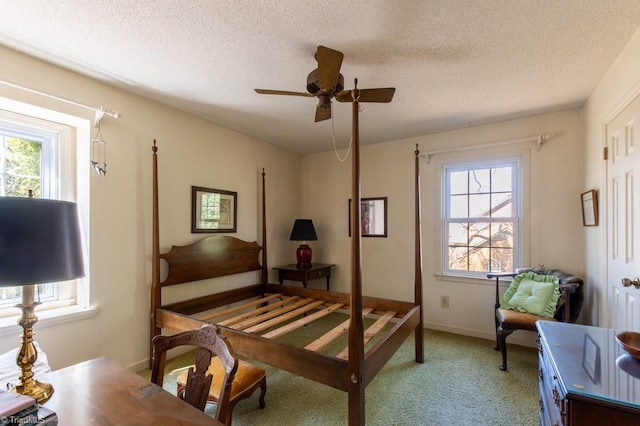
x=39, y=154
x=481, y=217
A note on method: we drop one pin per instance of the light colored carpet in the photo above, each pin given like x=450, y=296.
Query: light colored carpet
x=458, y=384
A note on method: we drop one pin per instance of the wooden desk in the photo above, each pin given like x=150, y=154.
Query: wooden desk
x=304, y=275
x=102, y=392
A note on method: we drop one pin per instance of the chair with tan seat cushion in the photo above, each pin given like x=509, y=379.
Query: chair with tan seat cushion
x=545, y=295
x=247, y=379
x=217, y=375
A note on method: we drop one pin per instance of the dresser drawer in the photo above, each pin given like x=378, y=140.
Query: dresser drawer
x=314, y=275
x=553, y=404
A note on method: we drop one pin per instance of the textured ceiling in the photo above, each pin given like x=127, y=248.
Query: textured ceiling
x=453, y=63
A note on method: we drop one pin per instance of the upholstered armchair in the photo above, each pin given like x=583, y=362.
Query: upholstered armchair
x=534, y=295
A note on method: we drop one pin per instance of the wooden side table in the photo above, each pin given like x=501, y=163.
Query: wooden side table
x=304, y=275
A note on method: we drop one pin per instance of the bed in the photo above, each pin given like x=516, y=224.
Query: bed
x=254, y=317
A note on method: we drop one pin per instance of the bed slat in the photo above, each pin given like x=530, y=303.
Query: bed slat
x=254, y=313
x=282, y=318
x=301, y=322
x=238, y=308
x=256, y=320
x=371, y=331
x=333, y=334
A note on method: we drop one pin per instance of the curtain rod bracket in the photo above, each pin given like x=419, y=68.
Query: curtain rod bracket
x=542, y=139
x=98, y=116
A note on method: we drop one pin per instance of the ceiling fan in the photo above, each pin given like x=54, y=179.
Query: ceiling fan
x=326, y=82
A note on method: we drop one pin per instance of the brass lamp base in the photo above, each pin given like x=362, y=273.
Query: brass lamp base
x=35, y=389
x=28, y=353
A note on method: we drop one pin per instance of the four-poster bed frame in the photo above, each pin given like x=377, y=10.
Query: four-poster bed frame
x=247, y=314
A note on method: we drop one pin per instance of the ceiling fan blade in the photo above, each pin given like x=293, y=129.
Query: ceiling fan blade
x=323, y=113
x=344, y=96
x=329, y=63
x=282, y=92
x=383, y=95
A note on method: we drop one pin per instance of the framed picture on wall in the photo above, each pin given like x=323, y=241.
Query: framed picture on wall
x=373, y=217
x=589, y=208
x=213, y=210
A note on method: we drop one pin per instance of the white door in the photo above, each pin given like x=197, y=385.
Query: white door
x=623, y=218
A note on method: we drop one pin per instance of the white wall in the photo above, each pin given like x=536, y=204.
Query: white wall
x=191, y=151
x=621, y=81
x=387, y=169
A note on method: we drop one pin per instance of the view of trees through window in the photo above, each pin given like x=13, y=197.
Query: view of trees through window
x=20, y=167
x=481, y=218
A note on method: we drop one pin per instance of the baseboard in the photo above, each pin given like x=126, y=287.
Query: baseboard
x=519, y=337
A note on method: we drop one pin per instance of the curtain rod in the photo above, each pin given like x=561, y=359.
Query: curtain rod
x=539, y=139
x=99, y=112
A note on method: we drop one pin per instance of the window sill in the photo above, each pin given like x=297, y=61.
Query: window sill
x=49, y=318
x=464, y=279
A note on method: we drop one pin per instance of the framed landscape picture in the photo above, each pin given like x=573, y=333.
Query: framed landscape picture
x=213, y=210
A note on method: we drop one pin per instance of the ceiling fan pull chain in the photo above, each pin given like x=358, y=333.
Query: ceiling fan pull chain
x=335, y=148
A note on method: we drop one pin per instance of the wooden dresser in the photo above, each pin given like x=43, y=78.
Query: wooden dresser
x=585, y=377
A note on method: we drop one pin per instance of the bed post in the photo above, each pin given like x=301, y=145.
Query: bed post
x=419, y=333
x=356, y=385
x=265, y=269
x=155, y=256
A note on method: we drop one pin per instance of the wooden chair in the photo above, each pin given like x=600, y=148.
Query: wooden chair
x=248, y=378
x=217, y=375
x=507, y=320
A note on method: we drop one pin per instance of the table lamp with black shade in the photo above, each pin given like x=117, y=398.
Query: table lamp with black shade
x=39, y=243
x=304, y=231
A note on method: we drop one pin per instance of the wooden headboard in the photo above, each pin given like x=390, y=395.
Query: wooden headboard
x=211, y=257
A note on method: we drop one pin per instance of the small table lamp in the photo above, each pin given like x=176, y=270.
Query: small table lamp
x=304, y=231
x=39, y=243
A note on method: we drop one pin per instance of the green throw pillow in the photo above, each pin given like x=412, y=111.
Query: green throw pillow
x=532, y=293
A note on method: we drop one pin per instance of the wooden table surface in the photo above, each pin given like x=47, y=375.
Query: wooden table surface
x=102, y=392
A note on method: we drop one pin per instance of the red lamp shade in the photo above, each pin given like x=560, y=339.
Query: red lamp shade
x=303, y=230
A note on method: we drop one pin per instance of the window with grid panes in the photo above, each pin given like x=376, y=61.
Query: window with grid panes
x=481, y=217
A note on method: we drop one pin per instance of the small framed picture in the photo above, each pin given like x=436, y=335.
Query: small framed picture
x=589, y=208
x=591, y=358
x=213, y=210
x=373, y=217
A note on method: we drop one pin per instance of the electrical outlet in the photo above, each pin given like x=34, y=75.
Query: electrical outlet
x=444, y=301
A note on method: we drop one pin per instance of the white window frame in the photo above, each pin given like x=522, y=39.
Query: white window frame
x=72, y=162
x=488, y=157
